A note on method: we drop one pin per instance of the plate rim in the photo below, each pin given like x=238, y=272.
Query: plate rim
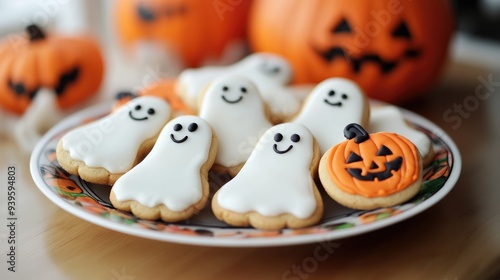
x=105, y=107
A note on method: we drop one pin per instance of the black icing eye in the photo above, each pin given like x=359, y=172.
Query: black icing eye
x=278, y=137
x=342, y=27
x=353, y=157
x=344, y=96
x=384, y=151
x=225, y=88
x=177, y=127
x=138, y=107
x=331, y=93
x=145, y=13
x=270, y=69
x=193, y=127
x=295, y=138
x=244, y=89
x=151, y=111
x=402, y=31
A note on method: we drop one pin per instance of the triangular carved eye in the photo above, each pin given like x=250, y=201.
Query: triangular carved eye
x=342, y=27
x=384, y=151
x=402, y=31
x=353, y=157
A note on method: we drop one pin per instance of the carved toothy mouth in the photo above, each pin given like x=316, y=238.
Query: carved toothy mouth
x=276, y=150
x=380, y=176
x=357, y=63
x=66, y=79
x=178, y=141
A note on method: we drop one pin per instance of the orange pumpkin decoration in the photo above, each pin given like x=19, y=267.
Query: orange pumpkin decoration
x=71, y=66
x=394, y=49
x=373, y=165
x=195, y=29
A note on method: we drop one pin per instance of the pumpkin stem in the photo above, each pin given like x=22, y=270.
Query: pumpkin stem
x=355, y=130
x=35, y=32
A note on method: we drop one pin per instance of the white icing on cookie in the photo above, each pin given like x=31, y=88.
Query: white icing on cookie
x=113, y=142
x=171, y=173
x=234, y=109
x=333, y=104
x=276, y=179
x=269, y=72
x=390, y=119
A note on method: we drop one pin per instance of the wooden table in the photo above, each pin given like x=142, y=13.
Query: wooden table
x=459, y=238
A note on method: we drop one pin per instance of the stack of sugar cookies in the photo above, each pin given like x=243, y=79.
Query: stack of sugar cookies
x=273, y=142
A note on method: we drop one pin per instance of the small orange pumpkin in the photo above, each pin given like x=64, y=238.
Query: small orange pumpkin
x=373, y=165
x=394, y=49
x=195, y=29
x=71, y=66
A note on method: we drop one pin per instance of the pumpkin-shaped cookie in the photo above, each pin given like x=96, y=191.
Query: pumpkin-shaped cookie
x=392, y=49
x=368, y=171
x=70, y=66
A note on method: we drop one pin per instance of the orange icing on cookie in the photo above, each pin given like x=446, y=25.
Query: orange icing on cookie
x=164, y=89
x=384, y=164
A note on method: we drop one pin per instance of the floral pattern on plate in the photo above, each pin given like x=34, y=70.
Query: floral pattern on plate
x=91, y=202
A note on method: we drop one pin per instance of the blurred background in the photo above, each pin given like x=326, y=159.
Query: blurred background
x=477, y=41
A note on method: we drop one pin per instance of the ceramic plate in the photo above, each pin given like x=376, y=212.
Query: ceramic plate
x=91, y=202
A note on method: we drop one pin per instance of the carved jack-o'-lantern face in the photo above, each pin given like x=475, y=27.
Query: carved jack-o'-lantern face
x=357, y=60
x=392, y=48
x=72, y=67
x=372, y=165
x=194, y=29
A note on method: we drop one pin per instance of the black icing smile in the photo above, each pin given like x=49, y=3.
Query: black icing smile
x=383, y=175
x=232, y=101
x=138, y=107
x=339, y=104
x=136, y=119
x=276, y=150
x=178, y=141
x=295, y=138
x=332, y=93
x=178, y=127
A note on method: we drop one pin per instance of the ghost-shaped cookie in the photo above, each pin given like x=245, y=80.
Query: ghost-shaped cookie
x=390, y=119
x=275, y=188
x=171, y=183
x=103, y=150
x=270, y=73
x=233, y=107
x=333, y=104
